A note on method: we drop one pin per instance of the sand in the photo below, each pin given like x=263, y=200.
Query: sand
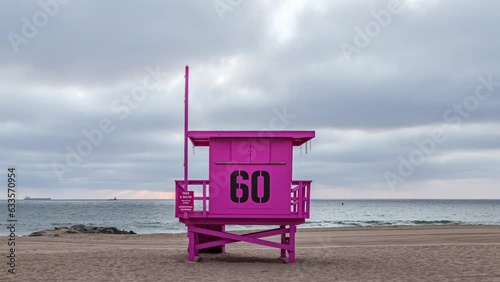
x=437, y=253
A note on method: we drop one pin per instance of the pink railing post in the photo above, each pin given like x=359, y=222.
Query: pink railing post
x=301, y=199
x=204, y=198
x=308, y=198
x=296, y=196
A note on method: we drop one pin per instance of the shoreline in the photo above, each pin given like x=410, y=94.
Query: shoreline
x=302, y=228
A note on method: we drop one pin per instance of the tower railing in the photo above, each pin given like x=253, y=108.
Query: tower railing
x=180, y=186
x=300, y=195
x=300, y=198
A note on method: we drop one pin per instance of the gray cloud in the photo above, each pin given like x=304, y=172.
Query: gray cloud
x=261, y=58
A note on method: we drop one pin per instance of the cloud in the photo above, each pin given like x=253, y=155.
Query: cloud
x=91, y=58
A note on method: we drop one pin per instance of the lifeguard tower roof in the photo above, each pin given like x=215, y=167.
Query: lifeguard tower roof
x=202, y=138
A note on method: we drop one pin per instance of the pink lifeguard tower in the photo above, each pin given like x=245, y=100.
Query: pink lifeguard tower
x=250, y=183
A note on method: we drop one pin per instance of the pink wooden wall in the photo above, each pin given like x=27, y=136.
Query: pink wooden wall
x=250, y=176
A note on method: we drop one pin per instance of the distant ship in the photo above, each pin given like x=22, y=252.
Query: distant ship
x=114, y=199
x=36, y=199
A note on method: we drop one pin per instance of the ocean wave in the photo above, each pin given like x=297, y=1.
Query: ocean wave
x=149, y=223
x=436, y=222
x=367, y=223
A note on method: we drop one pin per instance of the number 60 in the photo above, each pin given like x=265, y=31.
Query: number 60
x=244, y=188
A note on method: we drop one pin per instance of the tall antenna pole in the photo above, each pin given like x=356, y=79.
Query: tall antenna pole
x=186, y=118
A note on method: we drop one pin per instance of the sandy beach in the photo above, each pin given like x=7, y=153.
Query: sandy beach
x=430, y=253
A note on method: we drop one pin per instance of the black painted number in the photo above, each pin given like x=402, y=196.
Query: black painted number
x=235, y=186
x=255, y=185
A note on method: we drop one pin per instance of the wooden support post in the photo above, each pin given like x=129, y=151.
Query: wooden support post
x=223, y=229
x=191, y=244
x=291, y=252
x=283, y=241
x=196, y=242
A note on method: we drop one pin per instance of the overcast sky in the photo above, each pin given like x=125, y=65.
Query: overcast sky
x=404, y=96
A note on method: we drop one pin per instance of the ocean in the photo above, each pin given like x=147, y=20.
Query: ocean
x=157, y=216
